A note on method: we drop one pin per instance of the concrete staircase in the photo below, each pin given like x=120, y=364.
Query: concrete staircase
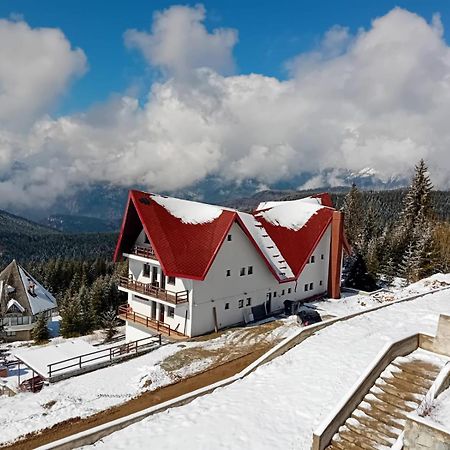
x=379, y=419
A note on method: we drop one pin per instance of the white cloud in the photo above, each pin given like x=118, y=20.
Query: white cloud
x=36, y=66
x=379, y=99
x=179, y=42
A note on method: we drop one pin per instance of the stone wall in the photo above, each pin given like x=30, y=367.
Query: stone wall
x=421, y=435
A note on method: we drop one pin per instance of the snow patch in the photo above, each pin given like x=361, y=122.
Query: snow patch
x=291, y=214
x=189, y=212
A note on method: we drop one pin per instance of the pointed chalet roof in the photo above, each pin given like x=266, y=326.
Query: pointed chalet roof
x=187, y=235
x=14, y=285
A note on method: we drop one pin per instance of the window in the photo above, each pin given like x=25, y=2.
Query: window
x=242, y=271
x=274, y=294
x=10, y=333
x=321, y=256
x=321, y=282
x=170, y=311
x=146, y=241
x=227, y=306
x=311, y=286
x=312, y=259
x=142, y=299
x=228, y=272
x=289, y=290
x=249, y=301
x=229, y=237
x=306, y=287
x=241, y=303
x=146, y=272
x=171, y=280
x=282, y=292
x=249, y=270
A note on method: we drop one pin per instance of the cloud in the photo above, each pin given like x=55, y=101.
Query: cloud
x=179, y=42
x=378, y=99
x=36, y=66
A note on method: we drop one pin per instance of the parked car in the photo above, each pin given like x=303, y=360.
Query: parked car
x=308, y=316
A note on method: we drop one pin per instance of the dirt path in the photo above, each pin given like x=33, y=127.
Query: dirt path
x=139, y=403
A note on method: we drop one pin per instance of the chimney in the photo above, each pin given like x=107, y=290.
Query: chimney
x=334, y=273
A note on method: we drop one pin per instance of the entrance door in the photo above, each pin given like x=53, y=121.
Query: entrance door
x=155, y=276
x=161, y=313
x=153, y=310
x=269, y=303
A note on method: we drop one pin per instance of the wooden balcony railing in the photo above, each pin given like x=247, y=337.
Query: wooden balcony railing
x=154, y=291
x=145, y=252
x=126, y=313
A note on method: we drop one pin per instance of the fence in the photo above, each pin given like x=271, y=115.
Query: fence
x=106, y=355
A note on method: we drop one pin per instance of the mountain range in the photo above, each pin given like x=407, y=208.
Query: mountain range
x=99, y=207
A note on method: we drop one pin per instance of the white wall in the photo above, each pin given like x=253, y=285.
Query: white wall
x=218, y=289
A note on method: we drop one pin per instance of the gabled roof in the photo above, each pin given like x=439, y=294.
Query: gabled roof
x=16, y=281
x=185, y=248
x=186, y=235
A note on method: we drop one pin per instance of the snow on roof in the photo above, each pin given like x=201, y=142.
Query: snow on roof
x=15, y=303
x=267, y=246
x=188, y=211
x=292, y=214
x=43, y=300
x=187, y=235
x=38, y=359
x=267, y=205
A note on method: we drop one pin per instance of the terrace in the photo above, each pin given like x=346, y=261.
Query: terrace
x=154, y=291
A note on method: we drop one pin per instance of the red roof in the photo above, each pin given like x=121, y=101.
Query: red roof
x=296, y=246
x=183, y=249
x=187, y=250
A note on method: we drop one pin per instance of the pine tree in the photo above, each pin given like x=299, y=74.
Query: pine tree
x=40, y=331
x=353, y=215
x=109, y=323
x=71, y=319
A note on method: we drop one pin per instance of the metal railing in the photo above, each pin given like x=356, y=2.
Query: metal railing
x=107, y=354
x=154, y=291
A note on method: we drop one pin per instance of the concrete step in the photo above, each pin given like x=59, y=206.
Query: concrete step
x=357, y=439
x=408, y=377
x=424, y=369
x=408, y=396
x=404, y=386
x=370, y=433
x=379, y=419
x=394, y=400
x=370, y=422
x=342, y=444
x=380, y=416
x=394, y=415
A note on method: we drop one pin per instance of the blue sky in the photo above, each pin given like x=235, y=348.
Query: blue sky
x=146, y=93
x=270, y=32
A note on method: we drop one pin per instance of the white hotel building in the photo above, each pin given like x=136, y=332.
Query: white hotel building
x=196, y=268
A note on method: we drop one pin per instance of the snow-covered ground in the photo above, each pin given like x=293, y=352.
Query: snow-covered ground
x=279, y=405
x=440, y=412
x=352, y=302
x=90, y=393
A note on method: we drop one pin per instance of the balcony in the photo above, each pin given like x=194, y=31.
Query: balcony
x=144, y=252
x=126, y=313
x=154, y=291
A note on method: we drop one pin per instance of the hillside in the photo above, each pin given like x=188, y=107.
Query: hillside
x=80, y=224
x=387, y=203
x=26, y=240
